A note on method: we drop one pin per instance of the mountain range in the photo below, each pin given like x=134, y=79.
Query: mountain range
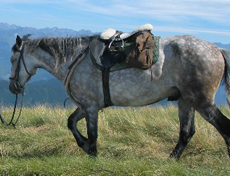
x=43, y=87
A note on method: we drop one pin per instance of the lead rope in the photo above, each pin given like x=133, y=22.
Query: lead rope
x=13, y=115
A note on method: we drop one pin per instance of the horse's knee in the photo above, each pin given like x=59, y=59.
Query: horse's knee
x=72, y=121
x=77, y=115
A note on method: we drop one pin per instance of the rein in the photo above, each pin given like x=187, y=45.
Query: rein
x=13, y=115
x=69, y=73
x=17, y=86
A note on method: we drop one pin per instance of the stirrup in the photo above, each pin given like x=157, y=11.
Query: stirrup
x=115, y=39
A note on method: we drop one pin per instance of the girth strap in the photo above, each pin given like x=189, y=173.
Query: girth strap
x=106, y=90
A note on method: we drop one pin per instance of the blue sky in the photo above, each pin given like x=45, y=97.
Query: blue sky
x=206, y=19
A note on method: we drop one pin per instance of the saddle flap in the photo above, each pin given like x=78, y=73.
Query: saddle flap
x=97, y=48
x=101, y=56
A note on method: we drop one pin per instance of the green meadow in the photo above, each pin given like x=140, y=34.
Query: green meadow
x=131, y=142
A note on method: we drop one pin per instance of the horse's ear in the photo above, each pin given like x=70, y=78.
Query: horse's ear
x=18, y=41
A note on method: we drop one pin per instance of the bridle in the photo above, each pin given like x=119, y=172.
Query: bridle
x=16, y=75
x=18, y=86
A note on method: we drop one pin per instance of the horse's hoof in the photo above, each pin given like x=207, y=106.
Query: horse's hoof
x=91, y=150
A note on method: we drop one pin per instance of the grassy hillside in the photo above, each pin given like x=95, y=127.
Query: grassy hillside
x=131, y=142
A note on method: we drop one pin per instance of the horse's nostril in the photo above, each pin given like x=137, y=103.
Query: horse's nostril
x=17, y=85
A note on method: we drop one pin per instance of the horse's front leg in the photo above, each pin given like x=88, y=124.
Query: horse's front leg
x=88, y=145
x=92, y=131
x=77, y=115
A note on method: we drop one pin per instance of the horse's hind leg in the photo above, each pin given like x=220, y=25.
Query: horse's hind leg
x=187, y=128
x=214, y=116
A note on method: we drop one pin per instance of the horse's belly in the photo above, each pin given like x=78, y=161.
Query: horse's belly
x=137, y=91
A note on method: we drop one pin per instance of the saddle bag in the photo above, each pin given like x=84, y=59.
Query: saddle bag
x=141, y=54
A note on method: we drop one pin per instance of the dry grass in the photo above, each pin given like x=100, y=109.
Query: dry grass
x=132, y=141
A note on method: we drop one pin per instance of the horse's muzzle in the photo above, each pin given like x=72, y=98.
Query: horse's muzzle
x=15, y=87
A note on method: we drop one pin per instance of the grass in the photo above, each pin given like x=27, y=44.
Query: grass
x=132, y=141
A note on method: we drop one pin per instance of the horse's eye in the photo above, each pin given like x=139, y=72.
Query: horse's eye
x=13, y=59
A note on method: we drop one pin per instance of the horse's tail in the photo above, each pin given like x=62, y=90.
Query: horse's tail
x=226, y=55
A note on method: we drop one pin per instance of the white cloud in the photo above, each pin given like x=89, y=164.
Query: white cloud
x=212, y=10
x=27, y=1
x=180, y=16
x=191, y=30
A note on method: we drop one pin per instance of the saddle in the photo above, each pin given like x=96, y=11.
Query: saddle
x=113, y=47
x=112, y=51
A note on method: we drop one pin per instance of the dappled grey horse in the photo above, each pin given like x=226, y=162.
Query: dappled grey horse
x=188, y=69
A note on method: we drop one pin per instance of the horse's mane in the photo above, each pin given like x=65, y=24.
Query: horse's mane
x=60, y=48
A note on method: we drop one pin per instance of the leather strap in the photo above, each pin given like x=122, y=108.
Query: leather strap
x=69, y=73
x=106, y=90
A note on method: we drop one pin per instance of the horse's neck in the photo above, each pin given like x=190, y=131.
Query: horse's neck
x=48, y=63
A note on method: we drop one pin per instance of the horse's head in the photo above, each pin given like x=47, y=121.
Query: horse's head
x=22, y=67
